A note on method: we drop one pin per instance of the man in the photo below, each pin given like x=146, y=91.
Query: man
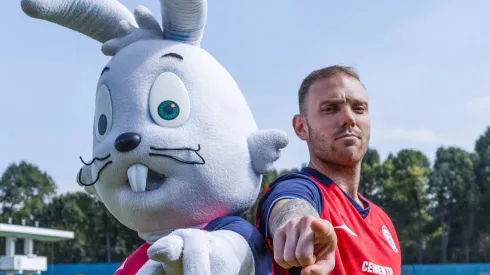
x=315, y=220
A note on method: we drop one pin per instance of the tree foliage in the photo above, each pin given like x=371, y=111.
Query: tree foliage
x=24, y=191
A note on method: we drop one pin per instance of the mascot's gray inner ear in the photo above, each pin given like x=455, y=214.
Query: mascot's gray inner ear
x=184, y=20
x=98, y=19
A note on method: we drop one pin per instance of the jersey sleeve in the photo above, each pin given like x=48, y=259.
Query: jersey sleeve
x=262, y=257
x=300, y=188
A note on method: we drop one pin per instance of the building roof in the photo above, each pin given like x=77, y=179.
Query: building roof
x=35, y=233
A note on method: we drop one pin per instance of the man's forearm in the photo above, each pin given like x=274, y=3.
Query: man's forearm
x=290, y=209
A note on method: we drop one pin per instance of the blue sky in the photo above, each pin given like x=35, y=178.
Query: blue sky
x=425, y=65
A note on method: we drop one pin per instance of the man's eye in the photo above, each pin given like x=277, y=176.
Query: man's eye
x=329, y=109
x=360, y=109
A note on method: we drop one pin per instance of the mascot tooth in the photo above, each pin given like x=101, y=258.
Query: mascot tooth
x=177, y=155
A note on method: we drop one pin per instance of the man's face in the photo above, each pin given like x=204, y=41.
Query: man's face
x=336, y=122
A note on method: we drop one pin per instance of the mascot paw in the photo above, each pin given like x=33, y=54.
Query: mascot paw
x=196, y=252
x=265, y=148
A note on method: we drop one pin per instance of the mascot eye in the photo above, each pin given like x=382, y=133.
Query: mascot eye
x=102, y=124
x=169, y=101
x=168, y=110
x=103, y=113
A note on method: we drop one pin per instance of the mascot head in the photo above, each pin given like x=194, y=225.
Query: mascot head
x=174, y=142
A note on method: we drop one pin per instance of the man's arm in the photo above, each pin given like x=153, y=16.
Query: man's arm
x=301, y=237
x=282, y=191
x=289, y=216
x=288, y=209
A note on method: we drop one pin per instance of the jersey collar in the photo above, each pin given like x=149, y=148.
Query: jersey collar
x=324, y=179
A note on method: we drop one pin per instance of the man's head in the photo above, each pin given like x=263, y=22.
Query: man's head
x=334, y=118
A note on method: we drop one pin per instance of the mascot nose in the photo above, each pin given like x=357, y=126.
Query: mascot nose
x=127, y=142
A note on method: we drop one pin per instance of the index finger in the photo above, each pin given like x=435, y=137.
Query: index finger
x=322, y=228
x=325, y=237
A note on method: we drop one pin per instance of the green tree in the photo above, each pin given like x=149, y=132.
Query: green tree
x=404, y=178
x=453, y=187
x=482, y=173
x=68, y=212
x=24, y=190
x=370, y=184
x=99, y=237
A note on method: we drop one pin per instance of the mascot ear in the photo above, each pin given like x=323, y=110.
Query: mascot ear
x=101, y=20
x=184, y=20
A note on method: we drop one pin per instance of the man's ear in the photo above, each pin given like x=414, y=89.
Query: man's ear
x=300, y=127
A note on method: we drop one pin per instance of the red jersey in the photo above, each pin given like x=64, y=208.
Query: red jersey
x=367, y=240
x=134, y=262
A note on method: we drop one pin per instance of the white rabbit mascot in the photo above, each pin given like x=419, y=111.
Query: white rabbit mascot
x=177, y=155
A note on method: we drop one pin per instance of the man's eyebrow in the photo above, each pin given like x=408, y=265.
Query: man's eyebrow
x=332, y=101
x=105, y=70
x=340, y=101
x=178, y=56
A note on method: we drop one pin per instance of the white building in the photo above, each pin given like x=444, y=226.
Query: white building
x=29, y=263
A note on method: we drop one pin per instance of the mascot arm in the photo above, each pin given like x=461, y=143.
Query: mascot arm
x=227, y=245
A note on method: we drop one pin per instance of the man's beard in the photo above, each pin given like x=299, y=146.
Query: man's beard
x=329, y=153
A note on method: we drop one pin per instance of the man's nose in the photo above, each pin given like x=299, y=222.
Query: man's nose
x=127, y=142
x=348, y=117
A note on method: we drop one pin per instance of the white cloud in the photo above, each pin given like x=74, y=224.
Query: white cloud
x=479, y=104
x=410, y=135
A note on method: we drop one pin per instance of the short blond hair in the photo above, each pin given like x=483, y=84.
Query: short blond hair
x=322, y=73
